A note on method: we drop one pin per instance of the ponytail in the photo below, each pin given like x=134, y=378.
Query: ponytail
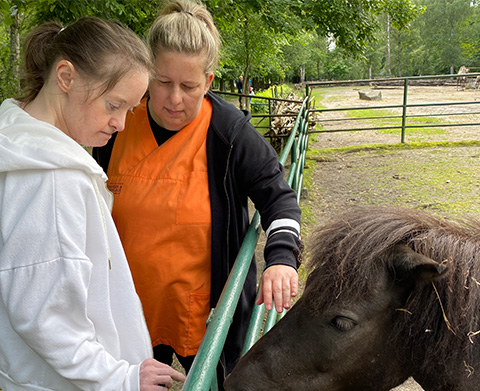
x=36, y=61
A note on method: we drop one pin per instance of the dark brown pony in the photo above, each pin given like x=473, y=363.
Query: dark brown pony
x=393, y=293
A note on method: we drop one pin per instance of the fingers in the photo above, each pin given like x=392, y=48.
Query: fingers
x=279, y=283
x=156, y=376
x=260, y=294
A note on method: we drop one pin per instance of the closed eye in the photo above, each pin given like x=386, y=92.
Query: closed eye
x=341, y=323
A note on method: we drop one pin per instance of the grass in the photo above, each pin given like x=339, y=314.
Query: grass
x=374, y=119
x=440, y=177
x=327, y=153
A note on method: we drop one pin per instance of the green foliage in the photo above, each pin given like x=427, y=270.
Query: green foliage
x=354, y=24
x=136, y=14
x=271, y=41
x=20, y=16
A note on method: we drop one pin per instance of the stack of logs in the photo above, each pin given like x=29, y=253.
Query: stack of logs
x=282, y=125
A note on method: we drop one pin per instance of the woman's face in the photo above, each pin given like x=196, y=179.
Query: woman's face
x=177, y=92
x=92, y=122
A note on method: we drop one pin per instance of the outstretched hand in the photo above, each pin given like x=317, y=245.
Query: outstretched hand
x=278, y=284
x=156, y=376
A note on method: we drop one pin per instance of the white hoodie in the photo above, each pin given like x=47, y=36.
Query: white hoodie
x=70, y=318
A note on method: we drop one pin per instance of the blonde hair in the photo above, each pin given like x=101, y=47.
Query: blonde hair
x=186, y=27
x=102, y=51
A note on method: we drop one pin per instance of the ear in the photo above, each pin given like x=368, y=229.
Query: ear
x=414, y=267
x=65, y=74
x=209, y=82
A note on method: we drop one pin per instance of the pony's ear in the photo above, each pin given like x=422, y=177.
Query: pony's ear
x=409, y=265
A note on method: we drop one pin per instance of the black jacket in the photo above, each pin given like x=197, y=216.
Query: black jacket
x=241, y=165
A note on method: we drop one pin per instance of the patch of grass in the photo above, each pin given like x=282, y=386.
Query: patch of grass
x=307, y=205
x=327, y=154
x=318, y=97
x=308, y=217
x=440, y=179
x=379, y=118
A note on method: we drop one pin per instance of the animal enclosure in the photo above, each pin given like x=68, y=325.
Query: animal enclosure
x=424, y=107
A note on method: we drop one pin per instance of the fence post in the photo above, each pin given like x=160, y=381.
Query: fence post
x=404, y=110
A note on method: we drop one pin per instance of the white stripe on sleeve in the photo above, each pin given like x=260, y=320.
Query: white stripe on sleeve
x=289, y=225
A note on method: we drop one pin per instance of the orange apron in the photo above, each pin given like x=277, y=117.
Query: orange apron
x=162, y=212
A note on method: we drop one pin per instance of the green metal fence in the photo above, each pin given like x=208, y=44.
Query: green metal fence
x=264, y=119
x=404, y=107
x=202, y=375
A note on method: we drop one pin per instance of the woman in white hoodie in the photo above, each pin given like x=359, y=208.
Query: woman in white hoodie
x=70, y=318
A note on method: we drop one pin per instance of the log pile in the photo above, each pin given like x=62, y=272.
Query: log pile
x=283, y=122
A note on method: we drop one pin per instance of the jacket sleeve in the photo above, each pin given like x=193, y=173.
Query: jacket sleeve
x=261, y=175
x=44, y=286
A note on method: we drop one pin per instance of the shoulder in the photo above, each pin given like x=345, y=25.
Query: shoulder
x=227, y=120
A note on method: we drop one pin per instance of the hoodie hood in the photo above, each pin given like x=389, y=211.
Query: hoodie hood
x=28, y=144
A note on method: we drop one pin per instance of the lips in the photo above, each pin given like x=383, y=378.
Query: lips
x=173, y=113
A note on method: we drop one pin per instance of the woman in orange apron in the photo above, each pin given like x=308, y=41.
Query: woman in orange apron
x=181, y=174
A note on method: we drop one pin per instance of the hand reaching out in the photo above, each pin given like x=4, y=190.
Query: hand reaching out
x=156, y=376
x=279, y=283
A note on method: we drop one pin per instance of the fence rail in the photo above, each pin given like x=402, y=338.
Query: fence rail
x=404, y=107
x=266, y=101
x=202, y=375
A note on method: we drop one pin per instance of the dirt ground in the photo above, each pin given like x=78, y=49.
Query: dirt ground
x=337, y=187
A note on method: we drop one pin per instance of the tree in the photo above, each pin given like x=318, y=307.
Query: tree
x=261, y=37
x=19, y=16
x=443, y=22
x=354, y=23
x=14, y=21
x=255, y=31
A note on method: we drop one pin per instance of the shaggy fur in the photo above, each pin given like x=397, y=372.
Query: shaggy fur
x=440, y=320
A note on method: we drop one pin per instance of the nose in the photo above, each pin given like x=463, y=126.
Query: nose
x=117, y=122
x=176, y=95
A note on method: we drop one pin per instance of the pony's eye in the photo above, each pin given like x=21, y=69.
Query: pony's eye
x=342, y=323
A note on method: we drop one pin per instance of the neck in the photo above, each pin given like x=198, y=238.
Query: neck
x=46, y=107
x=154, y=115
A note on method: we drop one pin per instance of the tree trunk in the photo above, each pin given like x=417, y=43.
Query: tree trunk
x=14, y=59
x=302, y=73
x=388, y=47
x=399, y=58
x=244, y=102
x=222, y=85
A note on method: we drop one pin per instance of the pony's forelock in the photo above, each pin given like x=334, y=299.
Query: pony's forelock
x=347, y=254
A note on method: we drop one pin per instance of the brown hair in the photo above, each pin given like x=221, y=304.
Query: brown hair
x=186, y=27
x=350, y=253
x=102, y=51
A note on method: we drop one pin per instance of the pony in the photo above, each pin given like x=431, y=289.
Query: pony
x=392, y=293
x=477, y=82
x=462, y=80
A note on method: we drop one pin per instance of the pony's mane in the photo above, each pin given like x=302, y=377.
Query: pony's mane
x=441, y=318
